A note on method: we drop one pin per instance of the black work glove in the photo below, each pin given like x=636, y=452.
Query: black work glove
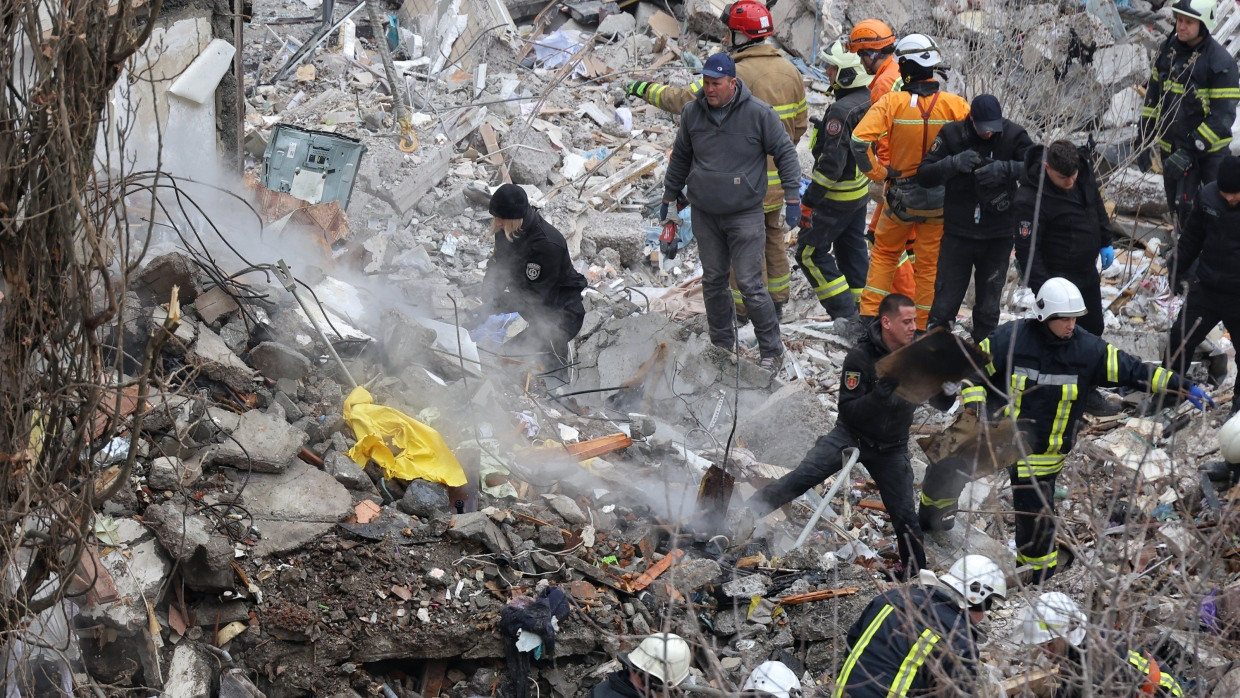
x=886, y=387
x=663, y=210
x=1177, y=164
x=966, y=161
x=995, y=174
x=1145, y=160
x=671, y=248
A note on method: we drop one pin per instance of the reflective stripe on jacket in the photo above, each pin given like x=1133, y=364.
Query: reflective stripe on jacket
x=835, y=176
x=1191, y=97
x=912, y=121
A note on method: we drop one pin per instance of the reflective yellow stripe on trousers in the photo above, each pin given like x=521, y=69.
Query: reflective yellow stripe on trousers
x=842, y=680
x=823, y=289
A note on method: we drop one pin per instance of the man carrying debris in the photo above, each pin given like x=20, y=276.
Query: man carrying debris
x=721, y=151
x=772, y=79
x=873, y=419
x=1208, y=237
x=660, y=662
x=1071, y=232
x=1058, y=626
x=1038, y=370
x=874, y=43
x=530, y=272
x=978, y=161
x=919, y=639
x=911, y=118
x=1190, y=105
x=831, y=245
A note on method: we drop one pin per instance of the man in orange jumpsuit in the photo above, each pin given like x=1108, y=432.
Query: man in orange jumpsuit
x=874, y=42
x=911, y=119
x=773, y=79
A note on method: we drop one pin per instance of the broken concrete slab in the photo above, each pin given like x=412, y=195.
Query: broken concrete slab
x=531, y=157
x=262, y=442
x=173, y=473
x=213, y=357
x=479, y=527
x=294, y=507
x=348, y=473
x=138, y=573
x=566, y=508
x=214, y=305
x=785, y=427
x=204, y=554
x=172, y=269
x=275, y=361
x=191, y=672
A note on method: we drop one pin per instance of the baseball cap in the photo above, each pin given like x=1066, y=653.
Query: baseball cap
x=986, y=113
x=719, y=65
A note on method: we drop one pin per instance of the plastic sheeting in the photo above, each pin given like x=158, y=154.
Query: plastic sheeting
x=419, y=453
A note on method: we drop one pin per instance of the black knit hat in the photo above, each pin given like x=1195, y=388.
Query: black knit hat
x=509, y=201
x=1229, y=175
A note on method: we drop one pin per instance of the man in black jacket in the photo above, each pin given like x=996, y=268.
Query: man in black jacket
x=978, y=161
x=1210, y=237
x=1190, y=105
x=530, y=272
x=873, y=419
x=831, y=245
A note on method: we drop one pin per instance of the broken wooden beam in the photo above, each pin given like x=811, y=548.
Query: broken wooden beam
x=797, y=599
x=652, y=572
x=585, y=450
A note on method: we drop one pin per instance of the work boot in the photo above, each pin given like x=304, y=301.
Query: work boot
x=1098, y=405
x=771, y=363
x=936, y=519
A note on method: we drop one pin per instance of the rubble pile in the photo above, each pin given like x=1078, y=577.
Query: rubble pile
x=274, y=540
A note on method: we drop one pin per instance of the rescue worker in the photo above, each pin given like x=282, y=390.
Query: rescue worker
x=773, y=79
x=831, y=245
x=919, y=640
x=726, y=135
x=1039, y=368
x=1190, y=105
x=1072, y=232
x=772, y=678
x=873, y=419
x=1208, y=238
x=978, y=161
x=659, y=663
x=911, y=119
x=530, y=272
x=875, y=43
x=1056, y=624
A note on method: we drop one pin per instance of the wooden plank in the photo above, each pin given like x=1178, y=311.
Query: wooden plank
x=624, y=176
x=797, y=599
x=652, y=572
x=493, y=155
x=433, y=677
x=597, y=447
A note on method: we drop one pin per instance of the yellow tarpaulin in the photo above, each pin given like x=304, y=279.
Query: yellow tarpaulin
x=421, y=451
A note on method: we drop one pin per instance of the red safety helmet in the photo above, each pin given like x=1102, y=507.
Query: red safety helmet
x=748, y=17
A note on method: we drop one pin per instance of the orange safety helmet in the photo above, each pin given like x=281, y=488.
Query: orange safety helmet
x=750, y=18
x=870, y=34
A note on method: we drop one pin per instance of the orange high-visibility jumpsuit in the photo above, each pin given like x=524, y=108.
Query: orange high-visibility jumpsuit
x=911, y=122
x=884, y=82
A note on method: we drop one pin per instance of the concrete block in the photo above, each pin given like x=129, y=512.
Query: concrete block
x=530, y=156
x=566, y=508
x=205, y=555
x=168, y=270
x=214, y=305
x=275, y=361
x=347, y=473
x=218, y=362
x=479, y=527
x=173, y=473
x=424, y=499
x=785, y=427
x=745, y=587
x=293, y=508
x=1134, y=191
x=138, y=573
x=190, y=673
x=1122, y=65
x=262, y=442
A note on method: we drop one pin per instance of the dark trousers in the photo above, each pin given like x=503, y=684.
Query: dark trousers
x=833, y=255
x=1034, y=502
x=548, y=334
x=1087, y=282
x=1182, y=191
x=891, y=472
x=962, y=259
x=1202, y=310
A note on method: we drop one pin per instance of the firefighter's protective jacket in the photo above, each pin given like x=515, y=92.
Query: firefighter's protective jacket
x=1190, y=100
x=1041, y=381
x=772, y=79
x=906, y=641
x=835, y=176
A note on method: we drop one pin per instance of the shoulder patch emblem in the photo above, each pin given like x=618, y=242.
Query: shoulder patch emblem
x=533, y=271
x=1026, y=227
x=852, y=379
x=833, y=127
x=934, y=147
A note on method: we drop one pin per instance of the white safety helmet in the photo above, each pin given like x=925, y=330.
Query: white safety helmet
x=919, y=49
x=665, y=656
x=976, y=578
x=1205, y=11
x=1053, y=615
x=849, y=71
x=1229, y=440
x=1059, y=297
x=774, y=678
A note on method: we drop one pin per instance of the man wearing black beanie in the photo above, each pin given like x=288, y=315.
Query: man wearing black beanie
x=1210, y=237
x=531, y=272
